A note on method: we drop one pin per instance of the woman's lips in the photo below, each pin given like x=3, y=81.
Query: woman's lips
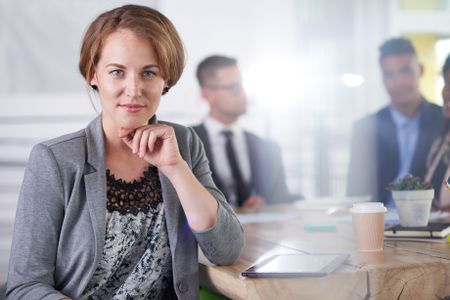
x=131, y=107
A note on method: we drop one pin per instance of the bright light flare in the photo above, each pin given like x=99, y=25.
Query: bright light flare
x=274, y=82
x=352, y=80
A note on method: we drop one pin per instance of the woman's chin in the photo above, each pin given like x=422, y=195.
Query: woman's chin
x=133, y=124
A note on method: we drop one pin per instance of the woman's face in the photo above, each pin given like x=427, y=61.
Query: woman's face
x=446, y=95
x=129, y=81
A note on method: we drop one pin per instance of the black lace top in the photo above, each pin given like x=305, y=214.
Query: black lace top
x=136, y=261
x=132, y=197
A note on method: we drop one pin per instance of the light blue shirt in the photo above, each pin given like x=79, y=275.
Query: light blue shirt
x=407, y=136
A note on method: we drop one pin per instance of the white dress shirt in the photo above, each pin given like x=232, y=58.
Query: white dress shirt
x=223, y=169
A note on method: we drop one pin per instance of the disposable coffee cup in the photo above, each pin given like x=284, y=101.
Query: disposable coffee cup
x=368, y=223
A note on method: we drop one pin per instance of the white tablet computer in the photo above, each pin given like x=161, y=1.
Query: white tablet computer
x=296, y=265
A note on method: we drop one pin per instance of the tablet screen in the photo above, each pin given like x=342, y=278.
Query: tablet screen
x=293, y=265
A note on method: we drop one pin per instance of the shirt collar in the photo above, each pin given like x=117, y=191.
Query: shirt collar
x=400, y=120
x=215, y=127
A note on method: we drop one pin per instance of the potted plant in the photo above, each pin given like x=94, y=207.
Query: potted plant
x=413, y=198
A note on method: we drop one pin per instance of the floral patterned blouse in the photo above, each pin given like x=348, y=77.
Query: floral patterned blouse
x=136, y=261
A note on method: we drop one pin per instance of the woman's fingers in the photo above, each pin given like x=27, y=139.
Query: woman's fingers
x=137, y=140
x=143, y=142
x=144, y=139
x=156, y=144
x=152, y=140
x=126, y=136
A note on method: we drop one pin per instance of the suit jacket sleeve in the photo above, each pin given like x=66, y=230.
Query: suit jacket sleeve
x=39, y=216
x=222, y=243
x=362, y=178
x=280, y=189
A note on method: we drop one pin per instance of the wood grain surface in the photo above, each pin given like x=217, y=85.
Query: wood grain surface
x=404, y=270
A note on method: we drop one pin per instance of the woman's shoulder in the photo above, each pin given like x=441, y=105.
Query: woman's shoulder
x=187, y=139
x=66, y=140
x=68, y=147
x=175, y=126
x=182, y=132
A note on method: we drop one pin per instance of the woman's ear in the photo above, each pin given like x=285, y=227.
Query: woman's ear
x=165, y=90
x=94, y=84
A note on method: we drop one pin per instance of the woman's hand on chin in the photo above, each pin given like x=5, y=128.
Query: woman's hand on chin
x=155, y=143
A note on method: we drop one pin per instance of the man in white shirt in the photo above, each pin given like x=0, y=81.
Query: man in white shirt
x=247, y=168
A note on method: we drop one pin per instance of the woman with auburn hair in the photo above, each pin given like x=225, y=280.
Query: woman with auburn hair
x=116, y=210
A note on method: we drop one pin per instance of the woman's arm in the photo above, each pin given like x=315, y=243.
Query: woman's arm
x=212, y=220
x=38, y=221
x=157, y=144
x=222, y=243
x=198, y=204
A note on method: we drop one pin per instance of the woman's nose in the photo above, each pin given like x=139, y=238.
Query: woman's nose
x=133, y=87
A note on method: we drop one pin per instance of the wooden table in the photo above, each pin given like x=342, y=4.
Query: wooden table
x=405, y=270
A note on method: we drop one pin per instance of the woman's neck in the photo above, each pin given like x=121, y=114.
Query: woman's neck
x=121, y=161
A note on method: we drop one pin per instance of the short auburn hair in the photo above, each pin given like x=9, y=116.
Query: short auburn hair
x=143, y=21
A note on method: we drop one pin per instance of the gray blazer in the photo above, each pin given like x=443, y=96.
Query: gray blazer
x=60, y=222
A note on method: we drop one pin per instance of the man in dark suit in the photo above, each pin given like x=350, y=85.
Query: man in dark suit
x=394, y=141
x=247, y=168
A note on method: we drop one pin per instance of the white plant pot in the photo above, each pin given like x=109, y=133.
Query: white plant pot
x=413, y=207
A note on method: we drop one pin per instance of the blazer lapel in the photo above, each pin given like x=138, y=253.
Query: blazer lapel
x=171, y=211
x=387, y=141
x=95, y=182
x=387, y=153
x=424, y=140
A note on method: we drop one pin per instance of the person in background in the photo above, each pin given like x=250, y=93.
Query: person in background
x=394, y=141
x=116, y=210
x=247, y=168
x=438, y=162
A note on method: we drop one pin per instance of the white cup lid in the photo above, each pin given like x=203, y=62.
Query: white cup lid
x=368, y=207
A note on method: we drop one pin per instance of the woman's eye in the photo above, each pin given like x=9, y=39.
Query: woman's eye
x=116, y=73
x=148, y=74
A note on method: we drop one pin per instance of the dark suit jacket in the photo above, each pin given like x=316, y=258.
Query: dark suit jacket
x=267, y=172
x=374, y=160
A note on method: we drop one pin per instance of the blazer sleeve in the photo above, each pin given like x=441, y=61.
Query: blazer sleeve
x=280, y=191
x=37, y=227
x=222, y=243
x=362, y=179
